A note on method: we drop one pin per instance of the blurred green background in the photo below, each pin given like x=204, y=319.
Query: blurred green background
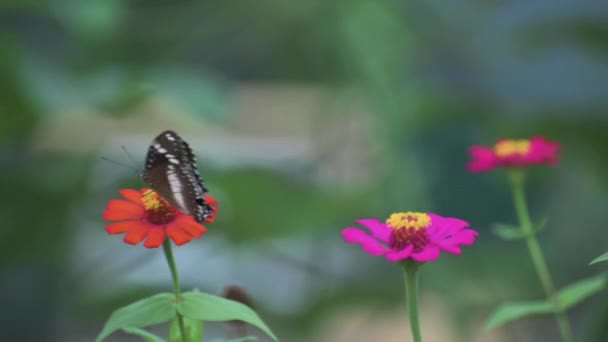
x=305, y=115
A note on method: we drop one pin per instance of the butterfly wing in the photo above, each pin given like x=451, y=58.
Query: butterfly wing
x=171, y=171
x=204, y=210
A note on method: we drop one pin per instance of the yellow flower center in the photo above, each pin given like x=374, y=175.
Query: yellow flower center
x=409, y=220
x=158, y=210
x=151, y=200
x=506, y=148
x=409, y=229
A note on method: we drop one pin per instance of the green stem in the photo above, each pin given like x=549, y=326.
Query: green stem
x=171, y=261
x=519, y=198
x=410, y=275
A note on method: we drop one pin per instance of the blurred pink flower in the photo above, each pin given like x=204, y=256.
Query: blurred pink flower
x=417, y=236
x=514, y=153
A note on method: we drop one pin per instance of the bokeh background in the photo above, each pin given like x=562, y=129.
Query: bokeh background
x=305, y=115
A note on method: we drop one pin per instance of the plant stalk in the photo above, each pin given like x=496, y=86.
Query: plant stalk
x=521, y=208
x=171, y=261
x=410, y=276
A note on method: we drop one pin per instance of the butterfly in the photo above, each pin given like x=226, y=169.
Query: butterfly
x=170, y=170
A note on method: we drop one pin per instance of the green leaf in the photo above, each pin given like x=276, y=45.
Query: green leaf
x=603, y=257
x=205, y=307
x=512, y=311
x=147, y=336
x=540, y=225
x=194, y=330
x=508, y=232
x=582, y=289
x=568, y=297
x=149, y=311
x=242, y=339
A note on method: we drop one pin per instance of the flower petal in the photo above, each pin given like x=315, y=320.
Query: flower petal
x=396, y=256
x=442, y=227
x=155, y=239
x=452, y=249
x=483, y=159
x=542, y=151
x=178, y=235
x=378, y=229
x=131, y=195
x=190, y=226
x=137, y=234
x=463, y=237
x=118, y=210
x=429, y=253
x=123, y=227
x=448, y=233
x=369, y=244
x=466, y=237
x=210, y=200
x=213, y=203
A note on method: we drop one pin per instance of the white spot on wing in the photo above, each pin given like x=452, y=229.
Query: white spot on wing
x=173, y=161
x=161, y=150
x=176, y=186
x=170, y=137
x=179, y=198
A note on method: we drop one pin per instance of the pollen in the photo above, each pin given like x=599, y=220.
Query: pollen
x=158, y=210
x=409, y=229
x=408, y=220
x=506, y=148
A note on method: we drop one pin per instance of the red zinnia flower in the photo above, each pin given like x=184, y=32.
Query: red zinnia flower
x=514, y=153
x=145, y=215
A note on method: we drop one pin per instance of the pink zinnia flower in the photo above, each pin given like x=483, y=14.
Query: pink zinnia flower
x=514, y=153
x=417, y=236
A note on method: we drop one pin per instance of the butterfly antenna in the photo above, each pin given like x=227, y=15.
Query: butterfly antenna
x=119, y=163
x=147, y=193
x=124, y=148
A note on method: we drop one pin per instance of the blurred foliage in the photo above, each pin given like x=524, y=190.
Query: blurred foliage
x=434, y=78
